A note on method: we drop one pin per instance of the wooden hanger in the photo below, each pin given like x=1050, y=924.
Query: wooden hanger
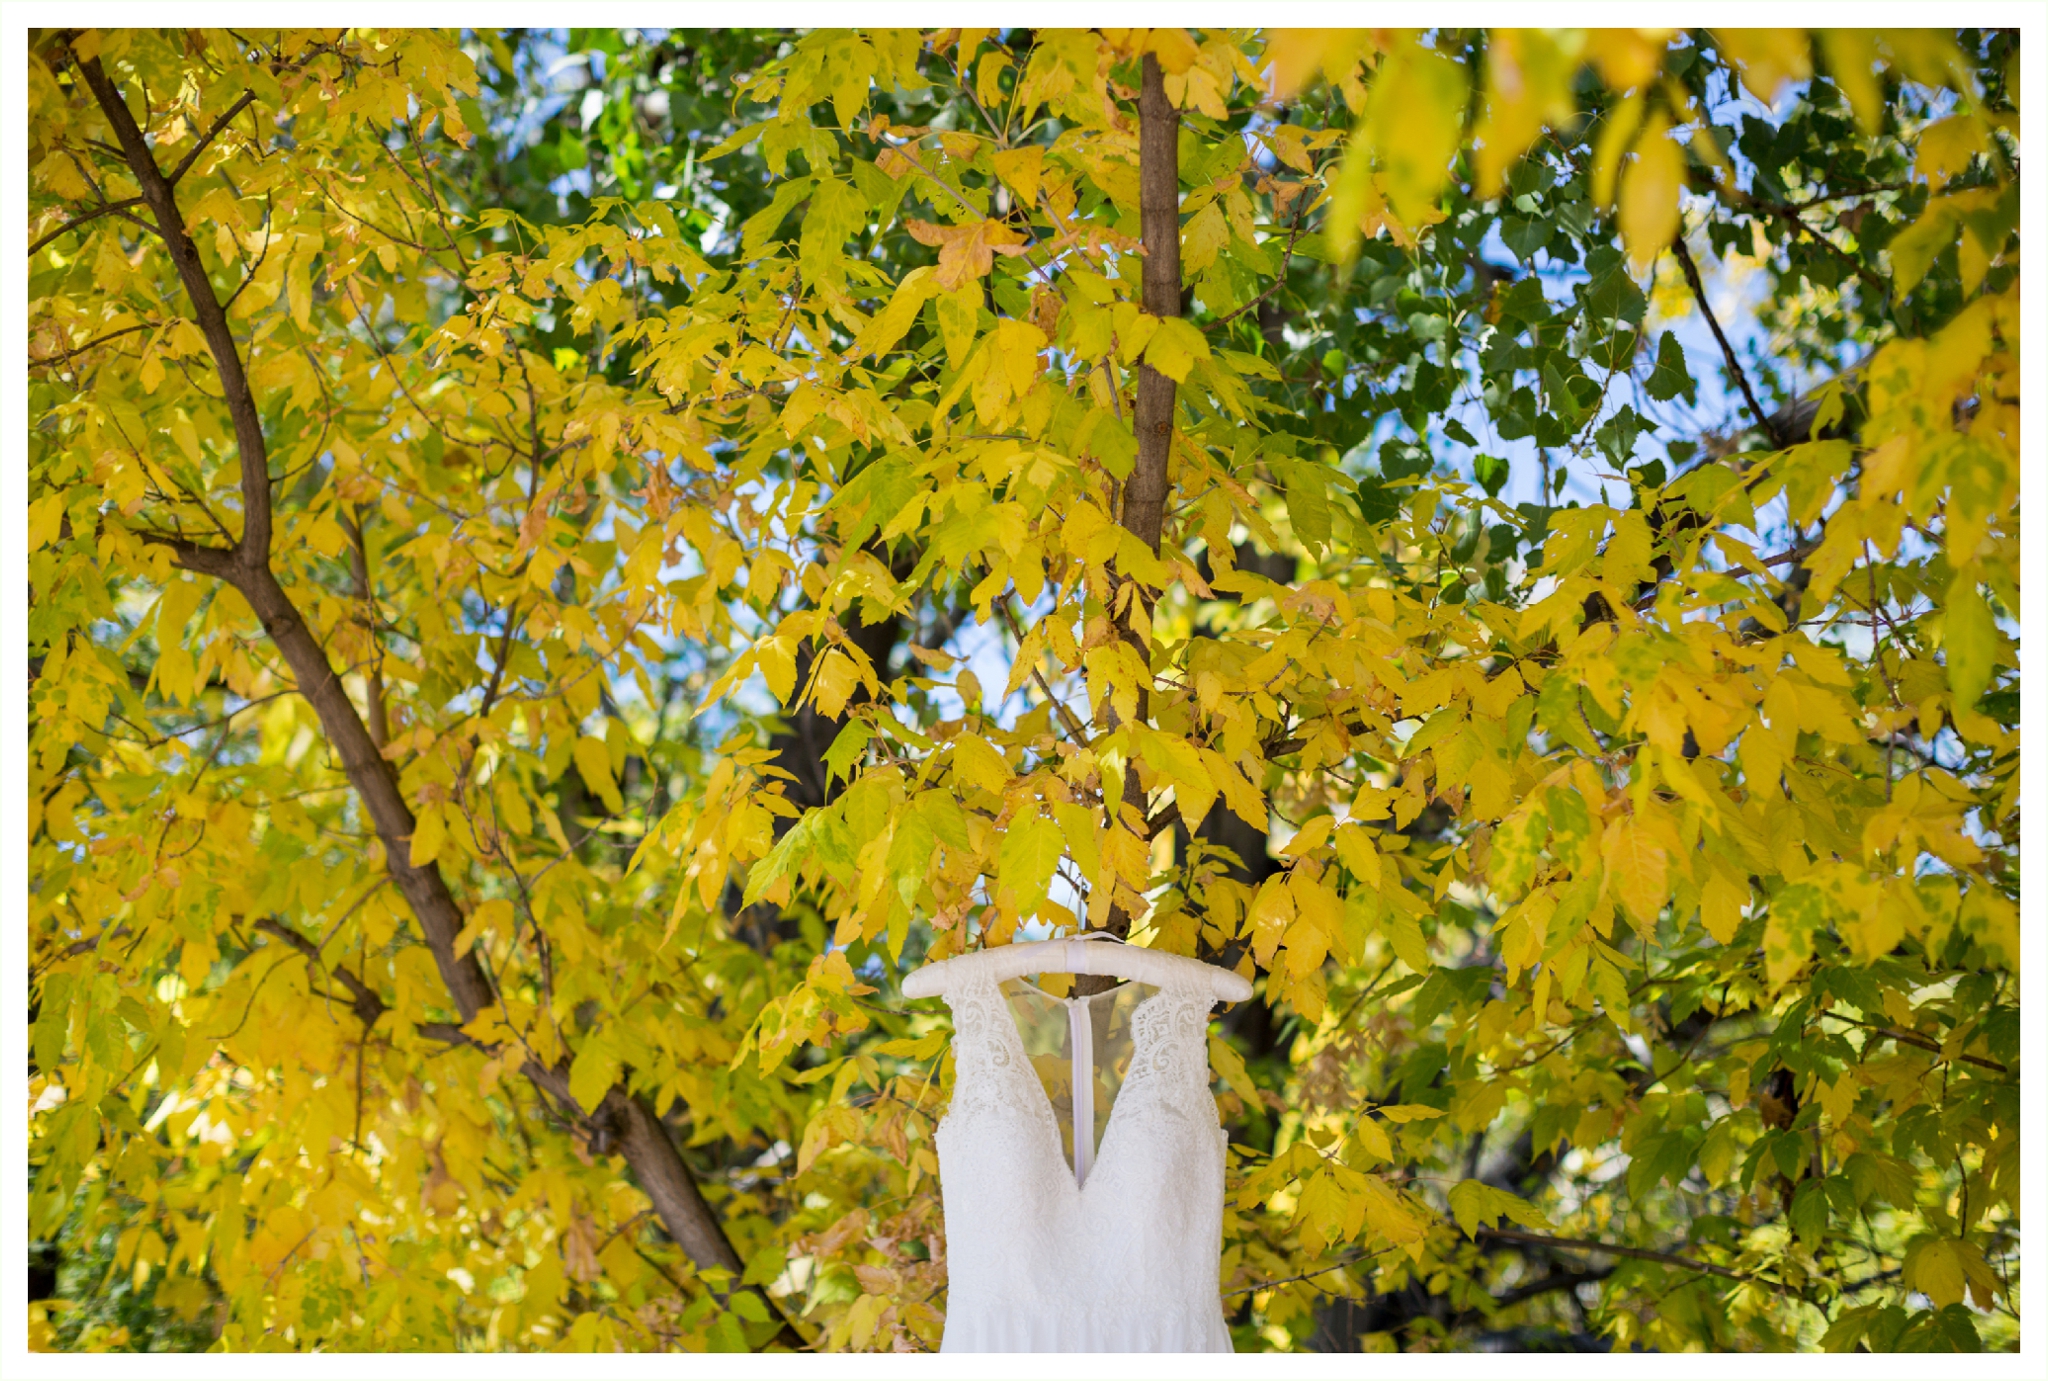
x=1076, y=954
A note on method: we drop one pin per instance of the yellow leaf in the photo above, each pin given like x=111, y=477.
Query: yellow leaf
x=1475, y=1103
x=1244, y=799
x=1649, y=195
x=1721, y=903
x=1969, y=640
x=1372, y=1139
x=594, y=765
x=1616, y=133
x=1202, y=237
x=1310, y=837
x=1796, y=915
x=1639, y=868
x=1223, y=1057
x=1769, y=58
x=1763, y=760
x=1175, y=50
x=45, y=520
x=593, y=1072
x=1852, y=62
x=979, y=764
x=1021, y=169
x=429, y=832
x=1934, y=1268
x=1174, y=348
x=1627, y=58
x=1526, y=930
x=776, y=656
x=1394, y=1219
x=1028, y=857
x=988, y=77
x=959, y=318
x=1180, y=762
x=1993, y=921
x=1271, y=911
x=495, y=914
x=1628, y=552
x=1528, y=85
x=1414, y=122
x=1014, y=351
x=966, y=252
x=1078, y=824
x=1408, y=941
x=1947, y=148
x=1296, y=55
x=888, y=326
x=1355, y=849
x=834, y=683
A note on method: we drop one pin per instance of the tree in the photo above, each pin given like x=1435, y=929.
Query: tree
x=517, y=613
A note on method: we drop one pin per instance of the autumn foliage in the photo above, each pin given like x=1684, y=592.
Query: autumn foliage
x=543, y=609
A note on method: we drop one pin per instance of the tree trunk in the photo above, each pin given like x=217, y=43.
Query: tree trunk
x=1144, y=512
x=1144, y=496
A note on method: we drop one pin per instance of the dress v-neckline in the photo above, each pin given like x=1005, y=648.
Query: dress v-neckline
x=1021, y=1062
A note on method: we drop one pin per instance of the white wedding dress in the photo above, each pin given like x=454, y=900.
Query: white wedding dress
x=1116, y=1250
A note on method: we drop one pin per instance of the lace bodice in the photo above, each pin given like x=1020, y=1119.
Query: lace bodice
x=1125, y=1261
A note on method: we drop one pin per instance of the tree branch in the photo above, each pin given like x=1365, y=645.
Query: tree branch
x=642, y=1139
x=48, y=360
x=213, y=133
x=112, y=208
x=1919, y=1042
x=250, y=447
x=359, y=576
x=1699, y=293
x=1286, y=259
x=1684, y=1263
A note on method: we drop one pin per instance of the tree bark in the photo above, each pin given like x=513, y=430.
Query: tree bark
x=423, y=886
x=656, y=1164
x=212, y=318
x=373, y=678
x=1144, y=512
x=1144, y=493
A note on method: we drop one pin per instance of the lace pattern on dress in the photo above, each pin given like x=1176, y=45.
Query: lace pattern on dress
x=1128, y=1262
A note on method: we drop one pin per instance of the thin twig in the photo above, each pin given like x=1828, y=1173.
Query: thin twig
x=1067, y=717
x=1699, y=293
x=1308, y=1275
x=1913, y=1038
x=1294, y=233
x=213, y=133
x=48, y=360
x=1537, y=1239
x=112, y=208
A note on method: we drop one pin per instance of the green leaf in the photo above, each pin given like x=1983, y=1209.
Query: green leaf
x=1810, y=1212
x=848, y=747
x=785, y=858
x=1491, y=472
x=759, y=228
